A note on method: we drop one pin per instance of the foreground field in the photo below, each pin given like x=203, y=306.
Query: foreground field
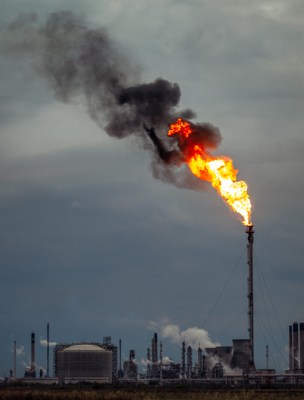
x=127, y=394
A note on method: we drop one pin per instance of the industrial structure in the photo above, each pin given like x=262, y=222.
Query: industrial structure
x=106, y=345
x=84, y=362
x=130, y=367
x=296, y=356
x=30, y=372
x=99, y=361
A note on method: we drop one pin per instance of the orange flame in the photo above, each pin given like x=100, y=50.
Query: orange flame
x=217, y=170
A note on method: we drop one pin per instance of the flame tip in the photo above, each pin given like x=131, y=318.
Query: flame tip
x=217, y=170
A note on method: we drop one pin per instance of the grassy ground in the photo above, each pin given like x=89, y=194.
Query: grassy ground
x=139, y=394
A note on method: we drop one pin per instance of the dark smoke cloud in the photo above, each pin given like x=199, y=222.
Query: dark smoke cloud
x=78, y=61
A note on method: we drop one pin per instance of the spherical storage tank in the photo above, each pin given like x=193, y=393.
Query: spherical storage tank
x=84, y=362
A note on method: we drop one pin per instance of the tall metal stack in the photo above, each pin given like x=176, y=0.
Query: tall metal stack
x=184, y=360
x=295, y=329
x=48, y=350
x=33, y=371
x=189, y=361
x=161, y=361
x=154, y=355
x=290, y=349
x=199, y=361
x=301, y=345
x=15, y=352
x=250, y=233
x=148, y=361
x=120, y=372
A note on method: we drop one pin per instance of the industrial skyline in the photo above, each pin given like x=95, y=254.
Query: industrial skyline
x=101, y=362
x=93, y=244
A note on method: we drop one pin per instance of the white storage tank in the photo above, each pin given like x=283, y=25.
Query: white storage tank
x=84, y=362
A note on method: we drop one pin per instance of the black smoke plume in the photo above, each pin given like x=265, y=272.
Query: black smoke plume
x=78, y=61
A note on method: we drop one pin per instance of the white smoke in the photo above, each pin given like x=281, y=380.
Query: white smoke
x=19, y=351
x=166, y=360
x=214, y=359
x=145, y=362
x=25, y=365
x=43, y=343
x=192, y=336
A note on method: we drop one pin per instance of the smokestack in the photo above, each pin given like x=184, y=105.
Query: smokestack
x=184, y=360
x=48, y=350
x=290, y=349
x=155, y=349
x=120, y=354
x=154, y=355
x=15, y=351
x=40, y=372
x=161, y=361
x=189, y=361
x=301, y=345
x=267, y=356
x=295, y=345
x=33, y=355
x=250, y=233
x=199, y=361
x=149, y=366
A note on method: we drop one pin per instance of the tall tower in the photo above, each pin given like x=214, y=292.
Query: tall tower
x=48, y=350
x=15, y=351
x=33, y=370
x=295, y=345
x=184, y=360
x=189, y=361
x=250, y=233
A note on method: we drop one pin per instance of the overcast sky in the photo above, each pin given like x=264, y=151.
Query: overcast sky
x=93, y=244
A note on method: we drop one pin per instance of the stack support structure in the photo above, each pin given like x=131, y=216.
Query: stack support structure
x=250, y=233
x=15, y=351
x=301, y=345
x=290, y=349
x=295, y=345
x=48, y=350
x=183, y=360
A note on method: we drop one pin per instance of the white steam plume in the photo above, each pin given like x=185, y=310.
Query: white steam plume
x=213, y=359
x=192, y=336
x=19, y=351
x=145, y=362
x=25, y=365
x=43, y=343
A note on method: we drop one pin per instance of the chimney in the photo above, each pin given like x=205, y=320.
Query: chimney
x=290, y=349
x=48, y=350
x=183, y=360
x=15, y=359
x=33, y=355
x=189, y=362
x=295, y=345
x=301, y=345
